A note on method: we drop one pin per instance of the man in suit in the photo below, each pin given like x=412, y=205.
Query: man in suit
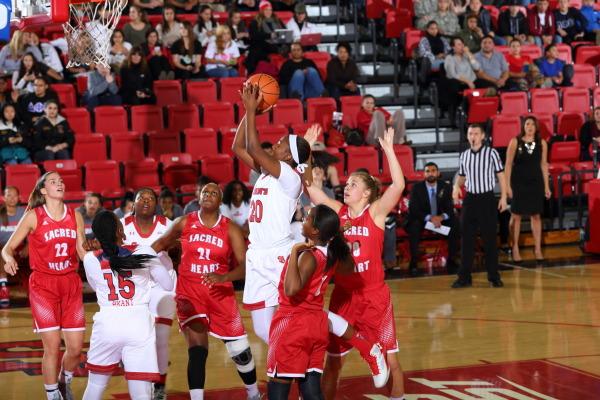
x=431, y=201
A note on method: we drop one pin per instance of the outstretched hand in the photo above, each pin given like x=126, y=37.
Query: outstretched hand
x=312, y=134
x=251, y=97
x=387, y=141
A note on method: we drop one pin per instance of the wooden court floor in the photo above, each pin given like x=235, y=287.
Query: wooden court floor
x=536, y=338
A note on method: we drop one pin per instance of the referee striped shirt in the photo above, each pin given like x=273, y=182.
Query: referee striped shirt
x=480, y=168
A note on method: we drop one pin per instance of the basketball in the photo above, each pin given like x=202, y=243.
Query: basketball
x=268, y=87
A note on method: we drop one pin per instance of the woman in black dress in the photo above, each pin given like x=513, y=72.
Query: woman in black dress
x=527, y=176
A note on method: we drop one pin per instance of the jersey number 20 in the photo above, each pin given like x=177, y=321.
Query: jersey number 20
x=256, y=211
x=126, y=287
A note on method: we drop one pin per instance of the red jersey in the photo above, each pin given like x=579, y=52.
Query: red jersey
x=310, y=297
x=53, y=244
x=204, y=250
x=365, y=239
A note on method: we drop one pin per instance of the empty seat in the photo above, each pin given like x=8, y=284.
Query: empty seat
x=544, y=101
x=227, y=136
x=200, y=142
x=126, y=146
x=217, y=114
x=514, y=103
x=565, y=53
x=163, y=142
x=362, y=157
x=230, y=88
x=188, y=192
x=584, y=76
x=576, y=100
x=23, y=177
x=272, y=133
x=74, y=198
x=340, y=164
x=320, y=110
x=146, y=118
x=480, y=108
x=587, y=55
x=90, y=147
x=79, y=120
x=407, y=162
x=199, y=92
x=171, y=159
x=261, y=119
x=569, y=123
x=288, y=111
x=350, y=107
x=110, y=119
x=243, y=170
x=183, y=116
x=412, y=37
x=218, y=167
x=178, y=169
x=504, y=128
x=320, y=58
x=168, y=92
x=142, y=173
x=67, y=95
x=68, y=170
x=596, y=97
x=102, y=175
x=300, y=129
x=532, y=51
x=564, y=152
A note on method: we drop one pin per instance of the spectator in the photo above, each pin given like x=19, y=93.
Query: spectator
x=157, y=57
x=592, y=16
x=10, y=216
x=262, y=36
x=53, y=138
x=327, y=162
x=11, y=54
x=431, y=201
x=239, y=30
x=446, y=19
x=31, y=105
x=554, y=71
x=167, y=205
x=484, y=20
x=183, y=6
x=119, y=50
x=215, y=4
x=521, y=70
x=493, y=68
x=342, y=73
x=206, y=27
x=152, y=7
x=29, y=70
x=7, y=96
x=459, y=7
x=135, y=30
x=299, y=24
x=319, y=181
x=136, y=80
x=13, y=143
x=187, y=54
x=91, y=206
x=246, y=5
x=50, y=56
x=424, y=8
x=254, y=174
x=236, y=204
x=194, y=205
x=472, y=34
x=169, y=30
x=528, y=184
x=590, y=133
x=300, y=75
x=373, y=121
x=570, y=23
x=542, y=25
x=433, y=49
x=126, y=206
x=101, y=89
x=512, y=23
x=222, y=55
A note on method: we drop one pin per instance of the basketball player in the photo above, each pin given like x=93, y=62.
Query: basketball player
x=299, y=331
x=272, y=206
x=144, y=227
x=363, y=298
x=206, y=301
x=55, y=234
x=123, y=330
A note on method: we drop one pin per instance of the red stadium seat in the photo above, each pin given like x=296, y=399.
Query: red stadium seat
x=514, y=103
x=230, y=88
x=556, y=170
x=102, y=175
x=90, y=147
x=596, y=97
x=504, y=128
x=74, y=198
x=163, y=142
x=320, y=58
x=183, y=116
x=261, y=119
x=110, y=119
x=320, y=110
x=67, y=95
x=565, y=53
x=494, y=13
x=199, y=92
x=585, y=76
x=362, y=157
x=546, y=124
x=396, y=21
x=412, y=37
x=544, y=101
x=142, y=173
x=227, y=136
x=23, y=177
x=587, y=55
x=569, y=123
x=532, y=51
x=126, y=146
x=288, y=112
x=190, y=190
x=576, y=100
x=243, y=170
x=147, y=118
x=79, y=120
x=68, y=170
x=168, y=92
x=407, y=162
x=272, y=133
x=217, y=114
x=504, y=50
x=200, y=142
x=170, y=159
x=178, y=169
x=218, y=167
x=564, y=152
x=480, y=108
x=339, y=166
x=350, y=107
x=81, y=82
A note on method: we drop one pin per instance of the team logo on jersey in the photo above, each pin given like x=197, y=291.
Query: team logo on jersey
x=281, y=259
x=45, y=223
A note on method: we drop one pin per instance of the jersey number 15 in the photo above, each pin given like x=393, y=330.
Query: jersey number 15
x=126, y=287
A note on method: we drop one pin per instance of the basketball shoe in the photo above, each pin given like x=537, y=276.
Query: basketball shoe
x=378, y=364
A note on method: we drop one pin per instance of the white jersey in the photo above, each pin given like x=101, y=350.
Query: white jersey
x=135, y=237
x=114, y=290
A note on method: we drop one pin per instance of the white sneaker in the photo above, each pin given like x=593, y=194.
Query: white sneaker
x=65, y=390
x=379, y=368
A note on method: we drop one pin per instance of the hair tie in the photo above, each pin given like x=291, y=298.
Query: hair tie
x=301, y=168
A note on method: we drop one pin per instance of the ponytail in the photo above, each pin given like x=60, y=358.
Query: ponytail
x=36, y=198
x=338, y=251
x=327, y=223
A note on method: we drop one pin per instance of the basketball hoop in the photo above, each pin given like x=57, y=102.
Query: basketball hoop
x=89, y=29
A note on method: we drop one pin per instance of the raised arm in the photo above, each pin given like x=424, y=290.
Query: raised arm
x=80, y=235
x=170, y=237
x=238, y=245
x=25, y=226
x=301, y=266
x=386, y=203
x=239, y=146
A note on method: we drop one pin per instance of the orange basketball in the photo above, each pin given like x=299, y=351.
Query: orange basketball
x=268, y=87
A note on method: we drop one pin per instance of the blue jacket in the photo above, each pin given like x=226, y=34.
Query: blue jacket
x=593, y=18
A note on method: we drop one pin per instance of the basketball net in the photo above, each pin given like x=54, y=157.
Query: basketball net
x=89, y=30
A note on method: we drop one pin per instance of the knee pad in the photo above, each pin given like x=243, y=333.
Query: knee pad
x=337, y=324
x=240, y=353
x=165, y=307
x=310, y=386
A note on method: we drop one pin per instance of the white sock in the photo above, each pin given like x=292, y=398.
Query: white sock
x=252, y=390
x=95, y=386
x=51, y=390
x=162, y=347
x=337, y=324
x=140, y=390
x=261, y=321
x=197, y=394
x=66, y=376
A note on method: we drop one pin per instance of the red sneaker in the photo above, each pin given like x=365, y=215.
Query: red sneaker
x=4, y=296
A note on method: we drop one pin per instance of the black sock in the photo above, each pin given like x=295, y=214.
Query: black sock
x=248, y=377
x=197, y=367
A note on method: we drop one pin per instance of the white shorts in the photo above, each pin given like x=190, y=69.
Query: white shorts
x=162, y=302
x=127, y=335
x=263, y=271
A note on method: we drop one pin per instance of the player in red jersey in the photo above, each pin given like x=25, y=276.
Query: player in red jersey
x=56, y=235
x=205, y=297
x=363, y=298
x=299, y=331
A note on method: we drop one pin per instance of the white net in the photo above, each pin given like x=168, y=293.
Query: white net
x=89, y=30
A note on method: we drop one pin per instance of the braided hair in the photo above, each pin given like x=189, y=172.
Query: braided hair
x=105, y=226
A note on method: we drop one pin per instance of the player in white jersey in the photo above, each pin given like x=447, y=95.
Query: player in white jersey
x=144, y=227
x=123, y=329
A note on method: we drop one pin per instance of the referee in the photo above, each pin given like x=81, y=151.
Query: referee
x=479, y=167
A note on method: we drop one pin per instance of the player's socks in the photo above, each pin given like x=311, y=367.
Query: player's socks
x=52, y=392
x=64, y=384
x=163, y=331
x=361, y=344
x=197, y=394
x=252, y=391
x=66, y=376
x=196, y=372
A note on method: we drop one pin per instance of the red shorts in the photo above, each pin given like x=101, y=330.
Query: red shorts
x=56, y=302
x=216, y=307
x=370, y=312
x=297, y=343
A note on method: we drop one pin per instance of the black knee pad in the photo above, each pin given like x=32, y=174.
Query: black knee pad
x=197, y=356
x=310, y=386
x=278, y=390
